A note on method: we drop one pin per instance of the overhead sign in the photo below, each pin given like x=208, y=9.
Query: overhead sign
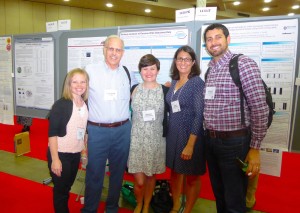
x=185, y=15
x=51, y=26
x=206, y=13
x=64, y=24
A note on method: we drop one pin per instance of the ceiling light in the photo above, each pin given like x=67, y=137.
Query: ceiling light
x=236, y=3
x=109, y=5
x=291, y=14
x=295, y=7
x=66, y=0
x=147, y=11
x=267, y=1
x=266, y=9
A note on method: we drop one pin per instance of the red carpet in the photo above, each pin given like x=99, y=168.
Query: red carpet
x=21, y=195
x=38, y=138
x=274, y=195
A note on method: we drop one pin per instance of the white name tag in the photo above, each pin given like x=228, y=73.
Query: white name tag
x=80, y=134
x=175, y=106
x=110, y=95
x=149, y=115
x=210, y=93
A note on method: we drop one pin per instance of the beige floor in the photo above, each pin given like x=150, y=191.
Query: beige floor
x=36, y=170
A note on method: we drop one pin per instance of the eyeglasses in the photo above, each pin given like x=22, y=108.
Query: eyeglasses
x=186, y=60
x=111, y=50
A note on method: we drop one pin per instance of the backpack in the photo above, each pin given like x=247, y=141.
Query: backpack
x=234, y=72
x=161, y=201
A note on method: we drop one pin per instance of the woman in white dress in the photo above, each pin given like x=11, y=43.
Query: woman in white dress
x=148, y=147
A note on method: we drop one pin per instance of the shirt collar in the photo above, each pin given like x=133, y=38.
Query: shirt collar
x=225, y=58
x=109, y=69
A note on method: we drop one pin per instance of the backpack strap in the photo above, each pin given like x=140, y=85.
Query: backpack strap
x=132, y=88
x=206, y=74
x=128, y=75
x=235, y=75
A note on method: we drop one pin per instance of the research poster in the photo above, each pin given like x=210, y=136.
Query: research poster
x=84, y=51
x=34, y=72
x=273, y=45
x=161, y=42
x=6, y=82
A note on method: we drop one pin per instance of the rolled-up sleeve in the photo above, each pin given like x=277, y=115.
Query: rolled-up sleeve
x=256, y=100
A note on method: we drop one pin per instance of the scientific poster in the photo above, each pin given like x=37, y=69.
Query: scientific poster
x=161, y=42
x=84, y=51
x=6, y=82
x=34, y=72
x=273, y=45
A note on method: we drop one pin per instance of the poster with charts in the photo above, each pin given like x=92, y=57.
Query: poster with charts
x=34, y=72
x=273, y=46
x=6, y=81
x=84, y=51
x=161, y=42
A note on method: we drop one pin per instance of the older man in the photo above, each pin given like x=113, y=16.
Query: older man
x=108, y=126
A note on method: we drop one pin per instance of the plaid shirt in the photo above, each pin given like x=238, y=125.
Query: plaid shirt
x=223, y=112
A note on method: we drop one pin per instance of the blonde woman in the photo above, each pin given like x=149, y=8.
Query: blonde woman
x=67, y=138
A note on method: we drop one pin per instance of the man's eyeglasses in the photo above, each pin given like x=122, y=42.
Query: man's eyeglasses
x=111, y=49
x=187, y=60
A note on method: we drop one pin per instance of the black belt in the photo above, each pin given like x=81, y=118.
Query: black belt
x=109, y=125
x=227, y=134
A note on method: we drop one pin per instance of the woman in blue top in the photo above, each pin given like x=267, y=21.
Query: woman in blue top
x=185, y=151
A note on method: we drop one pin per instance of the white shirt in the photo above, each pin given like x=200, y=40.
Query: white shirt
x=103, y=79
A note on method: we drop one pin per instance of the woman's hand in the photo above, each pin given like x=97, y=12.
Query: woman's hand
x=56, y=167
x=187, y=152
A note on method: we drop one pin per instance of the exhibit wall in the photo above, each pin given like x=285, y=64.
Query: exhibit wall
x=41, y=61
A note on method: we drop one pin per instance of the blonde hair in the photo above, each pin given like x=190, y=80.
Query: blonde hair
x=67, y=94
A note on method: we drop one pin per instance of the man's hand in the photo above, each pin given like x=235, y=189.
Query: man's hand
x=253, y=160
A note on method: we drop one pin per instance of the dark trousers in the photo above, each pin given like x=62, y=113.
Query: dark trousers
x=112, y=144
x=229, y=182
x=63, y=184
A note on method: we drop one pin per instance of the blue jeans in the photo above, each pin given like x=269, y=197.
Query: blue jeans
x=112, y=144
x=229, y=182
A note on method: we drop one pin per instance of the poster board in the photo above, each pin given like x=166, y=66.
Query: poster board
x=272, y=43
x=22, y=143
x=75, y=43
x=35, y=75
x=160, y=40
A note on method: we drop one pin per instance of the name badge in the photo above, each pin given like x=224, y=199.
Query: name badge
x=80, y=134
x=175, y=106
x=110, y=95
x=149, y=115
x=210, y=93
